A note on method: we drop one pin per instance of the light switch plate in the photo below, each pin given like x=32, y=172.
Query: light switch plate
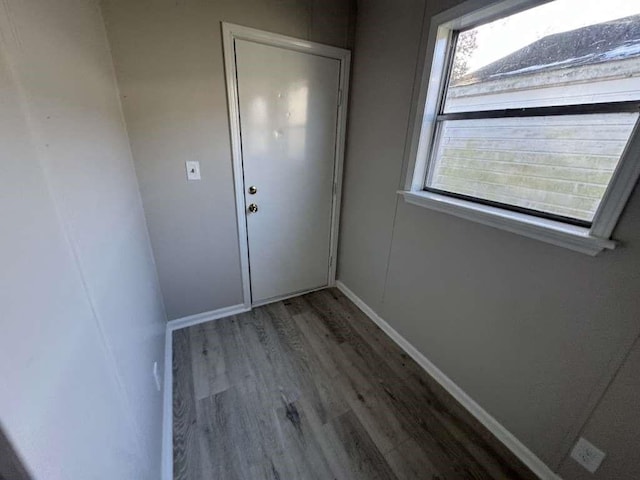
x=193, y=170
x=587, y=455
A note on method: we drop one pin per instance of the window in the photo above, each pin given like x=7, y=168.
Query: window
x=530, y=114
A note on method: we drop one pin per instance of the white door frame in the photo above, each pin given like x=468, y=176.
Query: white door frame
x=230, y=33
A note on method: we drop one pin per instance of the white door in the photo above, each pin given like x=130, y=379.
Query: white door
x=288, y=102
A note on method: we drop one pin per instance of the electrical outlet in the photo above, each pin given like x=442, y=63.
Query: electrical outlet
x=156, y=376
x=193, y=170
x=587, y=455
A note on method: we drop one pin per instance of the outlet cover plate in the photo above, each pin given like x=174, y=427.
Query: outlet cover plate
x=587, y=455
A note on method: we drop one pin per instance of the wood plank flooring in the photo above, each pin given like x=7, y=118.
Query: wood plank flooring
x=310, y=388
x=11, y=466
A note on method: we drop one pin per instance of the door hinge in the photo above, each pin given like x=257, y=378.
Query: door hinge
x=331, y=261
x=339, y=97
x=334, y=189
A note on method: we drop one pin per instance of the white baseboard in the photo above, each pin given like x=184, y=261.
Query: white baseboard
x=198, y=318
x=167, y=408
x=525, y=455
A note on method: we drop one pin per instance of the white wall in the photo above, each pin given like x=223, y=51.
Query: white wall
x=534, y=333
x=81, y=314
x=168, y=58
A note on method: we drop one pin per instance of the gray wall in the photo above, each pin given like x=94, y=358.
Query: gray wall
x=534, y=333
x=80, y=307
x=168, y=58
x=614, y=427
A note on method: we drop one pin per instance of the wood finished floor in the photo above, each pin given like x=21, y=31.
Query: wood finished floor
x=310, y=388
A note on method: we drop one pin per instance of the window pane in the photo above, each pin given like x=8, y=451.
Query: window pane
x=560, y=165
x=560, y=53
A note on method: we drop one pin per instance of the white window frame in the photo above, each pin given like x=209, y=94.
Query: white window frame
x=429, y=90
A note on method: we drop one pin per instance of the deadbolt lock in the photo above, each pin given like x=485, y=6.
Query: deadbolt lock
x=253, y=208
x=253, y=190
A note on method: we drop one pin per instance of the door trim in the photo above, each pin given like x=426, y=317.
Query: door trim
x=231, y=32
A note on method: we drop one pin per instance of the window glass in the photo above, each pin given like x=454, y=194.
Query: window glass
x=559, y=165
x=581, y=57
x=560, y=53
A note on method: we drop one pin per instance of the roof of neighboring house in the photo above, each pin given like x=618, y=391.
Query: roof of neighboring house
x=615, y=40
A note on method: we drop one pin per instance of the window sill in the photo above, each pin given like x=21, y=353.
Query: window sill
x=572, y=237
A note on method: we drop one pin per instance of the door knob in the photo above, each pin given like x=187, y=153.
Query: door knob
x=253, y=190
x=253, y=208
